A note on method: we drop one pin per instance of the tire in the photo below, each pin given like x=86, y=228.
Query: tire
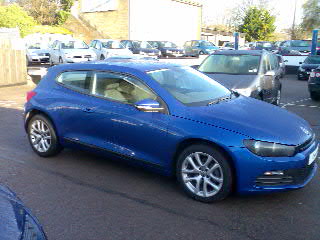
x=190, y=174
x=42, y=136
x=102, y=58
x=201, y=53
x=60, y=60
x=278, y=98
x=314, y=96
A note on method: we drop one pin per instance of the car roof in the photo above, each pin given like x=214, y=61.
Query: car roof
x=117, y=64
x=240, y=52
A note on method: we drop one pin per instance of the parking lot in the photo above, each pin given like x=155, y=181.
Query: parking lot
x=77, y=195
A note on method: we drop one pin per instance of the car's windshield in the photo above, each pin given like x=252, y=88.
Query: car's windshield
x=300, y=43
x=37, y=46
x=74, y=45
x=142, y=44
x=189, y=86
x=207, y=44
x=112, y=45
x=168, y=44
x=229, y=45
x=312, y=60
x=231, y=64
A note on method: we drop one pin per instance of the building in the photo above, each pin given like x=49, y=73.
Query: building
x=175, y=20
x=220, y=37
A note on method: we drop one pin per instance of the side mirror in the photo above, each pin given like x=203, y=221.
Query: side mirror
x=270, y=73
x=300, y=63
x=195, y=67
x=148, y=105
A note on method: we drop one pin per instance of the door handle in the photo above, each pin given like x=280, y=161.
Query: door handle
x=88, y=110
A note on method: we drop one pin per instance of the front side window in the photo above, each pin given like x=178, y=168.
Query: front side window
x=189, y=86
x=79, y=80
x=168, y=44
x=300, y=43
x=74, y=45
x=112, y=45
x=120, y=88
x=207, y=44
x=231, y=64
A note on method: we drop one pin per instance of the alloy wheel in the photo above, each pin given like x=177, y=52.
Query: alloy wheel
x=202, y=174
x=40, y=136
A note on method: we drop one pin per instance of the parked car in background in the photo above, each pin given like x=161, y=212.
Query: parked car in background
x=71, y=51
x=105, y=48
x=295, y=47
x=282, y=64
x=168, y=49
x=38, y=53
x=253, y=73
x=17, y=221
x=306, y=67
x=264, y=45
x=141, y=47
x=175, y=120
x=195, y=48
x=227, y=46
x=314, y=84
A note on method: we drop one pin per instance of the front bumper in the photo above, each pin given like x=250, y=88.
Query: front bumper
x=39, y=59
x=77, y=60
x=303, y=75
x=314, y=87
x=250, y=167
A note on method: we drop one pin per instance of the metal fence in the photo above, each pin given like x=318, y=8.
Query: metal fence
x=13, y=67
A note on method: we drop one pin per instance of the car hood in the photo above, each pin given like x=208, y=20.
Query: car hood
x=13, y=215
x=254, y=119
x=148, y=50
x=37, y=51
x=79, y=51
x=171, y=49
x=308, y=49
x=310, y=66
x=233, y=81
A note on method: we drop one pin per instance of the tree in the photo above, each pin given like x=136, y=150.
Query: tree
x=48, y=12
x=14, y=16
x=258, y=24
x=311, y=15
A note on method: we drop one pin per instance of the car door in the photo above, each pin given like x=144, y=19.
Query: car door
x=267, y=79
x=98, y=50
x=187, y=48
x=134, y=133
x=54, y=53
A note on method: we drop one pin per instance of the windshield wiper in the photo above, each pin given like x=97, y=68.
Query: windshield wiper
x=218, y=100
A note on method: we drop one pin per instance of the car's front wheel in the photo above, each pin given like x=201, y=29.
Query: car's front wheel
x=204, y=173
x=42, y=136
x=314, y=96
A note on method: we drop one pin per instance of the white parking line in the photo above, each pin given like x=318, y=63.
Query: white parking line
x=294, y=102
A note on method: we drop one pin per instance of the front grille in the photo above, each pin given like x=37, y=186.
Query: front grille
x=77, y=56
x=87, y=56
x=302, y=147
x=290, y=177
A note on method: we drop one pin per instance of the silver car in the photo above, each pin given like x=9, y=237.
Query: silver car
x=106, y=48
x=71, y=51
x=37, y=53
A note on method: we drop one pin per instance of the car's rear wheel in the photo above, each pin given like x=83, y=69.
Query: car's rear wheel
x=60, y=60
x=102, y=57
x=204, y=173
x=42, y=136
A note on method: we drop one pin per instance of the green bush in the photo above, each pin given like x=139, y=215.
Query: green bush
x=62, y=17
x=12, y=16
x=49, y=29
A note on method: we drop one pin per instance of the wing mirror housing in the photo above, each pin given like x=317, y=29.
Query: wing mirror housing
x=148, y=105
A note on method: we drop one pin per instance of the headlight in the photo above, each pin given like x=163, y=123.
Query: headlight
x=34, y=54
x=244, y=91
x=267, y=149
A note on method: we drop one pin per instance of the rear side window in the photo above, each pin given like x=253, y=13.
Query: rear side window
x=274, y=62
x=187, y=44
x=79, y=80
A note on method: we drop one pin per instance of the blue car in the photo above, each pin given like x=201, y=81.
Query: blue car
x=195, y=48
x=175, y=120
x=17, y=222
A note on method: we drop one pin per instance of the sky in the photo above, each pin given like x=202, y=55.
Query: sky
x=217, y=10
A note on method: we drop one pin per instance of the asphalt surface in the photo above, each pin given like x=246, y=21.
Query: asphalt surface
x=77, y=195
